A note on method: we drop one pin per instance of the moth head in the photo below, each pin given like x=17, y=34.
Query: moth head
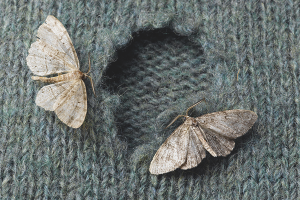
x=191, y=121
x=186, y=113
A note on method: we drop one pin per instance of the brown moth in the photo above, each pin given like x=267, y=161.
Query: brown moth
x=54, y=53
x=185, y=147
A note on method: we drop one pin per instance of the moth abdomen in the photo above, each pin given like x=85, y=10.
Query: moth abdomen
x=64, y=77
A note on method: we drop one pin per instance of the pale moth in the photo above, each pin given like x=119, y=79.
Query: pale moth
x=54, y=53
x=185, y=147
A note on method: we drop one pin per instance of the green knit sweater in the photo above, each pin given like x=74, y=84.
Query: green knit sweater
x=151, y=60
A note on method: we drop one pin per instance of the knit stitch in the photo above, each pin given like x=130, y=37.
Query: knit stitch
x=151, y=60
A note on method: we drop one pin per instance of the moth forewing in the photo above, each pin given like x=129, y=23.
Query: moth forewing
x=54, y=33
x=54, y=53
x=214, y=132
x=172, y=153
x=229, y=123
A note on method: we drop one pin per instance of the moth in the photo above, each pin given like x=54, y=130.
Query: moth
x=54, y=53
x=214, y=132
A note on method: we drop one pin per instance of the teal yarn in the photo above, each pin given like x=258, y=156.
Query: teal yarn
x=150, y=61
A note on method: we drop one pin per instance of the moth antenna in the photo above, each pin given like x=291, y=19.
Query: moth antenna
x=237, y=75
x=194, y=106
x=91, y=83
x=124, y=92
x=175, y=120
x=89, y=65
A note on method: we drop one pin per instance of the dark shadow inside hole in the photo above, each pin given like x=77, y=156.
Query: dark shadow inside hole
x=142, y=39
x=150, y=74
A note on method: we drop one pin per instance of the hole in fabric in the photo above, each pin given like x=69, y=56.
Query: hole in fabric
x=156, y=69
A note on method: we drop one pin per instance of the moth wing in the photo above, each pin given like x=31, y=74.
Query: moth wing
x=220, y=128
x=48, y=95
x=53, y=52
x=229, y=123
x=71, y=106
x=195, y=151
x=216, y=145
x=64, y=39
x=172, y=153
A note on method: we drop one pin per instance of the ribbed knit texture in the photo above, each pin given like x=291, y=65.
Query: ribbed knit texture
x=151, y=60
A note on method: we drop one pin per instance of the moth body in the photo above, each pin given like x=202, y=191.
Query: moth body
x=75, y=75
x=214, y=132
x=53, y=53
x=191, y=121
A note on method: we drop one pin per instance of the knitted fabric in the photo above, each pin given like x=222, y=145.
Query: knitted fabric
x=151, y=60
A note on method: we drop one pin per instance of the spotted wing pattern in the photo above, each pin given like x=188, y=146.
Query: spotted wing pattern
x=185, y=147
x=53, y=52
x=172, y=153
x=220, y=128
x=71, y=105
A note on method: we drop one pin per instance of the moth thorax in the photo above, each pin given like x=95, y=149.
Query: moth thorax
x=76, y=75
x=194, y=122
x=191, y=121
